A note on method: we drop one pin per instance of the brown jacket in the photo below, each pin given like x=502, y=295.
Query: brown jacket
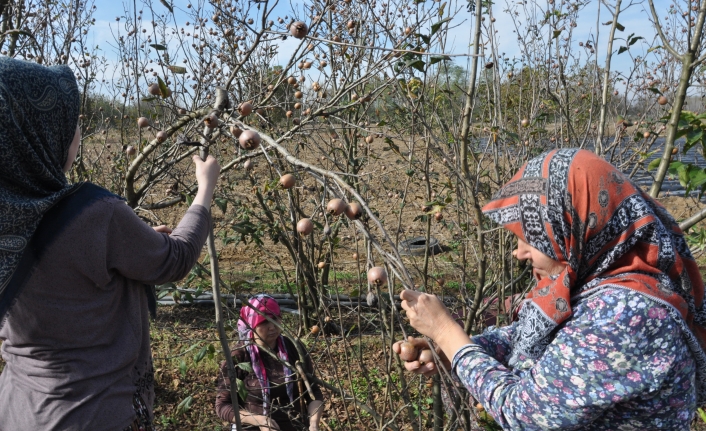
x=289, y=416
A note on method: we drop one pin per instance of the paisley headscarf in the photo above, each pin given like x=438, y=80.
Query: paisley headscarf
x=578, y=209
x=39, y=108
x=249, y=319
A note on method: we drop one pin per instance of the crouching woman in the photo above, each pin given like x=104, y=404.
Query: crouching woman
x=276, y=397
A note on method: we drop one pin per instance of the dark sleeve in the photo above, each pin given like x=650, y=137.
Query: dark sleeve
x=224, y=402
x=308, y=368
x=138, y=252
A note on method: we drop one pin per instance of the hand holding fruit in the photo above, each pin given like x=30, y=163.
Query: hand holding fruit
x=418, y=356
x=426, y=313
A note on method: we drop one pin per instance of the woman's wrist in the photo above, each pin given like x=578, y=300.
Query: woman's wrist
x=450, y=338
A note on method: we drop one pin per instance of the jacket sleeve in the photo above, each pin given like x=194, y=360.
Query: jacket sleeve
x=612, y=352
x=138, y=252
x=224, y=402
x=496, y=342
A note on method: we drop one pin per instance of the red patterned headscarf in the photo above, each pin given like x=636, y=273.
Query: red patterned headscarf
x=578, y=209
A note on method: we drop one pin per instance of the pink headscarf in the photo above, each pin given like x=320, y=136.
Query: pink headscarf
x=249, y=320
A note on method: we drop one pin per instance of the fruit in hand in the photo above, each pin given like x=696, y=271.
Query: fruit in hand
x=336, y=207
x=305, y=226
x=425, y=356
x=377, y=275
x=408, y=352
x=249, y=139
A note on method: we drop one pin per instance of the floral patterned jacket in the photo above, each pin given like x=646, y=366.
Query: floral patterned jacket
x=620, y=363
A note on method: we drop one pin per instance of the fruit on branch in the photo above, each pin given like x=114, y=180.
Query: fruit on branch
x=675, y=150
x=370, y=139
x=292, y=80
x=211, y=120
x=296, y=121
x=438, y=216
x=336, y=39
x=321, y=265
x=235, y=131
x=289, y=114
x=260, y=112
x=646, y=135
x=182, y=111
x=662, y=100
x=315, y=329
x=525, y=122
x=161, y=136
x=350, y=24
x=143, y=122
x=336, y=207
x=297, y=105
x=249, y=139
x=355, y=256
x=247, y=165
x=408, y=352
x=305, y=226
x=298, y=94
x=298, y=29
x=287, y=181
x=407, y=31
x=130, y=150
x=425, y=356
x=245, y=109
x=154, y=89
x=316, y=86
x=353, y=211
x=377, y=275
x=489, y=65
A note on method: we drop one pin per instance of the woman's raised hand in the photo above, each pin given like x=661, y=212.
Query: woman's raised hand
x=207, y=176
x=428, y=315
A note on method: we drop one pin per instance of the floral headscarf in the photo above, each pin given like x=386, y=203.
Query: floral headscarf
x=578, y=209
x=249, y=319
x=39, y=108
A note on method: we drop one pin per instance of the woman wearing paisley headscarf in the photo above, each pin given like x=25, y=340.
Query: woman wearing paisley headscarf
x=275, y=398
x=75, y=265
x=612, y=335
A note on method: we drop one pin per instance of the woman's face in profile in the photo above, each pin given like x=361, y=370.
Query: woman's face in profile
x=267, y=332
x=542, y=265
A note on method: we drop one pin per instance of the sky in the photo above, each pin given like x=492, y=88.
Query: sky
x=635, y=20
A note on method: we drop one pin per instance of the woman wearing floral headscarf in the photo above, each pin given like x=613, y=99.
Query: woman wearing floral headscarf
x=75, y=265
x=275, y=398
x=612, y=335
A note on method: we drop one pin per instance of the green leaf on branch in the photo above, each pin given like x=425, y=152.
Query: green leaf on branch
x=622, y=49
x=632, y=40
x=177, y=69
x=692, y=137
x=245, y=366
x=163, y=88
x=221, y=203
x=436, y=26
x=417, y=64
x=437, y=58
x=158, y=47
x=654, y=164
x=619, y=26
x=654, y=48
x=242, y=390
x=167, y=5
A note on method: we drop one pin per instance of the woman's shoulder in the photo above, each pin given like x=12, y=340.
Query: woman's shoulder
x=625, y=308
